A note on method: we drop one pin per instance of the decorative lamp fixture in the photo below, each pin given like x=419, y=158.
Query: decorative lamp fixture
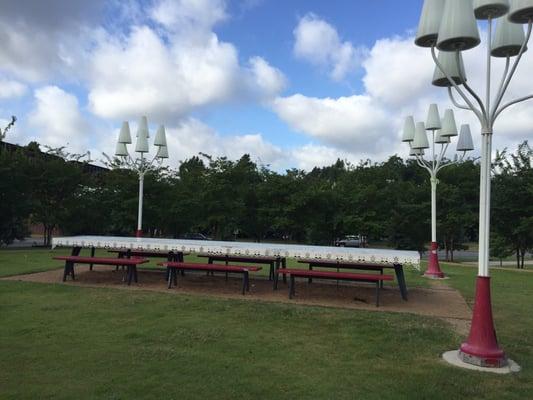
x=485, y=9
x=449, y=127
x=521, y=11
x=428, y=28
x=408, y=130
x=465, y=143
x=141, y=165
x=421, y=138
x=458, y=31
x=508, y=39
x=435, y=162
x=452, y=68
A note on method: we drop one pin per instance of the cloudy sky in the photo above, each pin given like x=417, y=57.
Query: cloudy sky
x=294, y=83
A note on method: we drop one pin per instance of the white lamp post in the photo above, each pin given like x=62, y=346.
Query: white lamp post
x=141, y=165
x=450, y=26
x=441, y=133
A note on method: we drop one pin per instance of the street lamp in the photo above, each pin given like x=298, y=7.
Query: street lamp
x=441, y=133
x=141, y=165
x=450, y=26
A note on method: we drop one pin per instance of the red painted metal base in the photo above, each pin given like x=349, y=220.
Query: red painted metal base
x=139, y=233
x=481, y=348
x=433, y=270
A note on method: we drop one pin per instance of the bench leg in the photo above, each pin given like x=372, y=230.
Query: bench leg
x=284, y=265
x=69, y=270
x=292, y=287
x=276, y=280
x=310, y=280
x=129, y=270
x=377, y=292
x=170, y=272
x=381, y=282
x=245, y=285
x=398, y=269
x=92, y=255
x=271, y=272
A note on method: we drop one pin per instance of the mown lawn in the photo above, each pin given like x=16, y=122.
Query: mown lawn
x=64, y=342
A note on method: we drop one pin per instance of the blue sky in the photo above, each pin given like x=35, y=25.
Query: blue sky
x=294, y=83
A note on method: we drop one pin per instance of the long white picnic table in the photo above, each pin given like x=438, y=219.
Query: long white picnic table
x=341, y=254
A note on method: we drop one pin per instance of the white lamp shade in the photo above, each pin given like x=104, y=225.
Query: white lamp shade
x=433, y=120
x=160, y=137
x=521, y=11
x=408, y=129
x=449, y=127
x=143, y=128
x=162, y=152
x=464, y=143
x=142, y=144
x=121, y=150
x=456, y=71
x=508, y=39
x=421, y=137
x=485, y=9
x=458, y=29
x=439, y=139
x=428, y=26
x=416, y=152
x=125, y=135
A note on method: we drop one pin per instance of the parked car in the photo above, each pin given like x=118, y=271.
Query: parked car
x=350, y=241
x=195, y=236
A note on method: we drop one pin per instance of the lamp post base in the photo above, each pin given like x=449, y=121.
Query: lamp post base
x=139, y=233
x=433, y=270
x=481, y=348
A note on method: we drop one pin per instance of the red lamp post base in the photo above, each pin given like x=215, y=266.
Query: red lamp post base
x=433, y=270
x=481, y=348
x=139, y=233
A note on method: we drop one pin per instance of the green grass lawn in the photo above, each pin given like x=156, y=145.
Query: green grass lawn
x=64, y=342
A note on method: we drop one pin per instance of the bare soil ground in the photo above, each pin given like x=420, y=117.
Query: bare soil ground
x=440, y=301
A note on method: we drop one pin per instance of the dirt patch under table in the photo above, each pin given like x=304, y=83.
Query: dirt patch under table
x=439, y=301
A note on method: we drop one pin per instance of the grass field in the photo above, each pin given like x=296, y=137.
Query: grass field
x=64, y=342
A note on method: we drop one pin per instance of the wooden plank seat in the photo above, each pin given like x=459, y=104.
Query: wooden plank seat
x=174, y=267
x=341, y=276
x=338, y=264
x=130, y=263
x=272, y=261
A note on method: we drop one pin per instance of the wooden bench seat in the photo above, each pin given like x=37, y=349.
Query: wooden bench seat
x=130, y=263
x=341, y=276
x=174, y=267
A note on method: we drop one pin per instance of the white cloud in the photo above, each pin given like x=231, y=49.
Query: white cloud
x=319, y=43
x=57, y=120
x=193, y=136
x=355, y=123
x=170, y=72
x=11, y=88
x=198, y=15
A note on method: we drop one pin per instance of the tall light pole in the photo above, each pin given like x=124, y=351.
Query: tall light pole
x=450, y=26
x=141, y=165
x=441, y=133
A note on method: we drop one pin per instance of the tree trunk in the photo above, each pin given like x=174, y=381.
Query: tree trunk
x=518, y=258
x=523, y=254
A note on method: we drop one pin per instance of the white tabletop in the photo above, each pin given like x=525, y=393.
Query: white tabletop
x=382, y=256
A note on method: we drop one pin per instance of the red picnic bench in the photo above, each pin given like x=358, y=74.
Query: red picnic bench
x=273, y=262
x=130, y=263
x=341, y=276
x=174, y=267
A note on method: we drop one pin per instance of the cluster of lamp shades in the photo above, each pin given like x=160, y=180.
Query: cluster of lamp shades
x=141, y=145
x=442, y=131
x=451, y=26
